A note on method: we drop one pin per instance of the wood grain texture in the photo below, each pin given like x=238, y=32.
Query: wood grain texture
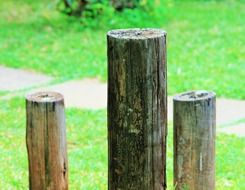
x=137, y=109
x=46, y=141
x=194, y=141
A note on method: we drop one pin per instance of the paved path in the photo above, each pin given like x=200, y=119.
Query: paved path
x=92, y=94
x=16, y=79
x=238, y=130
x=86, y=94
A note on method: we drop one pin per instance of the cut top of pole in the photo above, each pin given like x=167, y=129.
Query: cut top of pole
x=194, y=96
x=137, y=33
x=46, y=97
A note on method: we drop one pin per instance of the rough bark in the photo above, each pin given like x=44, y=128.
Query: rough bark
x=137, y=109
x=46, y=141
x=194, y=141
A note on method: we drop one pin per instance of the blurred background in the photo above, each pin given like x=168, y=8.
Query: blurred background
x=61, y=45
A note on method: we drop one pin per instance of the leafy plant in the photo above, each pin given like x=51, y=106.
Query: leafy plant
x=121, y=4
x=73, y=7
x=93, y=8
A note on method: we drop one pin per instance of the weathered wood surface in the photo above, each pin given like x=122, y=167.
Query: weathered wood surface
x=137, y=109
x=46, y=141
x=194, y=140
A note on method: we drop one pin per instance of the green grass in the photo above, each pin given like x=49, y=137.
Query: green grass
x=205, y=42
x=2, y=93
x=205, y=51
x=87, y=147
x=87, y=151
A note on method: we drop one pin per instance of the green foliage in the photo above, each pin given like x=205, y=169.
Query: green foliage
x=87, y=151
x=96, y=9
x=122, y=4
x=91, y=8
x=205, y=41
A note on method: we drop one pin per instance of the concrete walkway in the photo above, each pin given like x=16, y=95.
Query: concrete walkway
x=85, y=94
x=92, y=94
x=238, y=130
x=16, y=79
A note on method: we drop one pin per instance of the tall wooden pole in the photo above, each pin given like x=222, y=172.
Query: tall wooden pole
x=46, y=141
x=137, y=109
x=194, y=141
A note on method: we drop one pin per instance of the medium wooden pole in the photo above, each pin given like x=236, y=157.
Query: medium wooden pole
x=46, y=141
x=137, y=109
x=194, y=141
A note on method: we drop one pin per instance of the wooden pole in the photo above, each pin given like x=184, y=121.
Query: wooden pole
x=46, y=141
x=137, y=109
x=194, y=141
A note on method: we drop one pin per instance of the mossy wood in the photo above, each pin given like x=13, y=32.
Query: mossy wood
x=194, y=141
x=46, y=141
x=137, y=109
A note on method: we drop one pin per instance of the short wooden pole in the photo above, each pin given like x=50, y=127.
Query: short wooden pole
x=137, y=109
x=194, y=141
x=46, y=141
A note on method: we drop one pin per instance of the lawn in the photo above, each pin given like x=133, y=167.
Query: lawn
x=87, y=151
x=205, y=41
x=205, y=51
